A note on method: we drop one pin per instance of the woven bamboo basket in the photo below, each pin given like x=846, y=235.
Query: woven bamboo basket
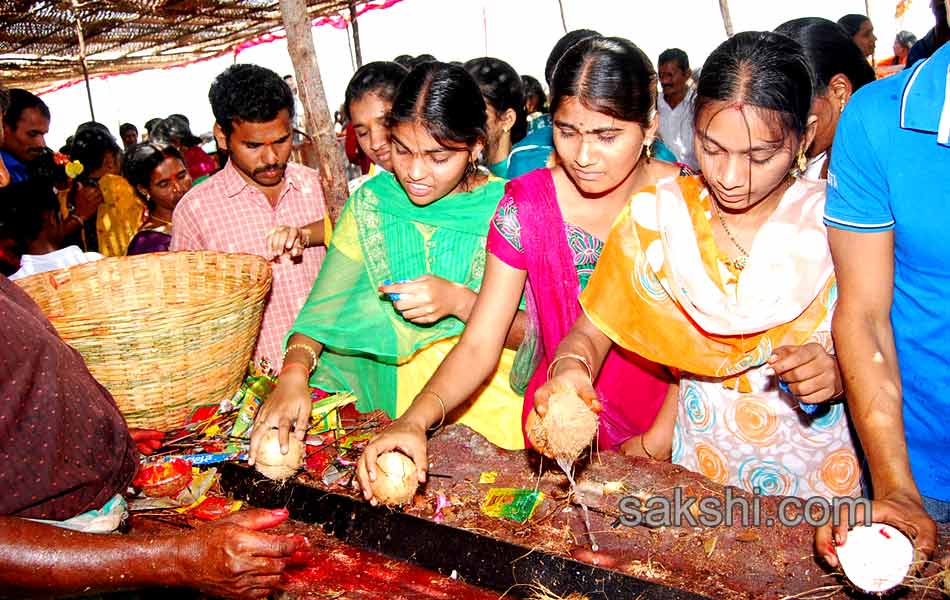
x=163, y=332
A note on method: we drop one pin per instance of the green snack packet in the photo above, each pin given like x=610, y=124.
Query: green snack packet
x=511, y=503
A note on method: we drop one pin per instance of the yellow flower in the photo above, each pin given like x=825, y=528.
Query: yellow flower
x=74, y=169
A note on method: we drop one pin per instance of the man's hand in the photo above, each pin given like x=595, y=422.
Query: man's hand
x=147, y=440
x=231, y=558
x=284, y=240
x=901, y=510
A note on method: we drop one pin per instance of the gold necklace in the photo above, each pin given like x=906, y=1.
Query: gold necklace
x=740, y=262
x=162, y=221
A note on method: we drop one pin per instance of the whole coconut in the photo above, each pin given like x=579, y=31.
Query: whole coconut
x=566, y=430
x=396, y=480
x=274, y=465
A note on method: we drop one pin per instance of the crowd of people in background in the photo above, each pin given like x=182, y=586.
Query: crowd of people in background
x=738, y=265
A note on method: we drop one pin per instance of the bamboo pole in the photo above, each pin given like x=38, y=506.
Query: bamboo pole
x=726, y=17
x=356, y=35
x=82, y=58
x=328, y=159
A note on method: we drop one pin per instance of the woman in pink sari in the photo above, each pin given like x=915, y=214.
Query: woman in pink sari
x=544, y=242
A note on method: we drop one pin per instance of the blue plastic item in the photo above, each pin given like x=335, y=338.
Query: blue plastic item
x=808, y=409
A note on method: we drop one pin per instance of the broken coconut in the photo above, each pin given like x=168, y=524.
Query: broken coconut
x=274, y=465
x=396, y=480
x=566, y=430
x=876, y=558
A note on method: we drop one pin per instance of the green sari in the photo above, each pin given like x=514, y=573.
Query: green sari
x=382, y=236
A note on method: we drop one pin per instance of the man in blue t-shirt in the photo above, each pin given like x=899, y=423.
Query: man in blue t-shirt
x=888, y=213
x=25, y=126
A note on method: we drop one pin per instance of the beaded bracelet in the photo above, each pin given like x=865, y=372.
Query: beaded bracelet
x=308, y=350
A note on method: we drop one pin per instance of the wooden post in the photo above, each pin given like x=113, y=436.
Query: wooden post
x=329, y=156
x=726, y=18
x=82, y=58
x=356, y=35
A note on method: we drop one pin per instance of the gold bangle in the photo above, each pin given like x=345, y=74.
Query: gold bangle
x=578, y=358
x=644, y=447
x=441, y=403
x=305, y=237
x=308, y=350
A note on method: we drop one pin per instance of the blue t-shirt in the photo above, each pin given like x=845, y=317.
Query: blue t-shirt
x=889, y=169
x=15, y=168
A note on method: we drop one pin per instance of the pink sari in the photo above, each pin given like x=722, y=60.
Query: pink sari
x=630, y=388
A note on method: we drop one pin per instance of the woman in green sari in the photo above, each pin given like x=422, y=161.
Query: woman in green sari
x=402, y=273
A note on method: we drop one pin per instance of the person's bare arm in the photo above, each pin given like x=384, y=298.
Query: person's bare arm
x=584, y=340
x=227, y=559
x=657, y=441
x=465, y=368
x=289, y=405
x=864, y=341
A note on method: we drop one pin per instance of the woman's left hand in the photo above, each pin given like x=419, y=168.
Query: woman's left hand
x=810, y=372
x=429, y=298
x=284, y=240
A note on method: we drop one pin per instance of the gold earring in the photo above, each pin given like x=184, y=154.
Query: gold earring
x=648, y=150
x=802, y=161
x=841, y=108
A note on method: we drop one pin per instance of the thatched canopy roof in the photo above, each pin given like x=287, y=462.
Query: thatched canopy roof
x=39, y=43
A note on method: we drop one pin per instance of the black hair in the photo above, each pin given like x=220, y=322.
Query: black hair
x=611, y=76
x=674, y=55
x=764, y=70
x=405, y=60
x=563, y=45
x=380, y=78
x=502, y=89
x=141, y=159
x=24, y=206
x=4, y=100
x=445, y=100
x=44, y=168
x=420, y=60
x=852, y=23
x=250, y=93
x=21, y=100
x=150, y=124
x=91, y=143
x=127, y=127
x=906, y=39
x=533, y=89
x=174, y=129
x=829, y=50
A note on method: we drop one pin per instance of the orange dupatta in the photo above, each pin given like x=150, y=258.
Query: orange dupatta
x=659, y=290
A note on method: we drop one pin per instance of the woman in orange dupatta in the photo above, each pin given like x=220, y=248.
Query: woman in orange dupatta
x=728, y=280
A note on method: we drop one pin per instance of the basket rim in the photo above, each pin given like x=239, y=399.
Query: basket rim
x=253, y=291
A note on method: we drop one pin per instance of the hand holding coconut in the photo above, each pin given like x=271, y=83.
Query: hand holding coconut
x=564, y=420
x=394, y=463
x=902, y=509
x=289, y=404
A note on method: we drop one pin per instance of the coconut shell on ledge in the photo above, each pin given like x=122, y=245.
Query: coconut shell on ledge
x=274, y=465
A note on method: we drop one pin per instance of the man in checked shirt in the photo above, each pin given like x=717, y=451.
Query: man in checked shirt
x=259, y=203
